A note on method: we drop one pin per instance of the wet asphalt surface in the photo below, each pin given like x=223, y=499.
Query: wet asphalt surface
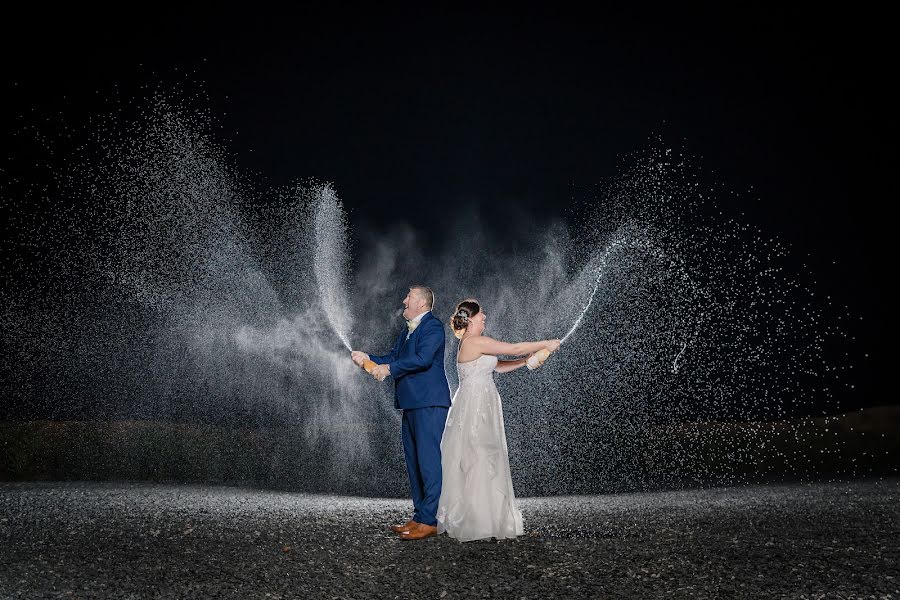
x=121, y=540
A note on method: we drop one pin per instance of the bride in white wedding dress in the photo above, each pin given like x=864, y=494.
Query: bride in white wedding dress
x=477, y=500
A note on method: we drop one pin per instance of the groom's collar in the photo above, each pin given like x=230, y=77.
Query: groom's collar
x=419, y=318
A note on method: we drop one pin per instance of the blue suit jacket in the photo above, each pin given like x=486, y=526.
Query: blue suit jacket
x=417, y=366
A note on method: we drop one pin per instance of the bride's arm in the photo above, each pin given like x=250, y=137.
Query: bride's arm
x=505, y=366
x=486, y=345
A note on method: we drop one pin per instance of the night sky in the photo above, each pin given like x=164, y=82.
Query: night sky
x=417, y=116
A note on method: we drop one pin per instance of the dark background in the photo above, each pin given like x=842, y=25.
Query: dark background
x=415, y=114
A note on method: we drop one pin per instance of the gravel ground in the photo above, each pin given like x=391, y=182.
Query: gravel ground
x=90, y=540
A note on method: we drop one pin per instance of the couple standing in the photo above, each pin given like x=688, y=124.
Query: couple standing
x=456, y=458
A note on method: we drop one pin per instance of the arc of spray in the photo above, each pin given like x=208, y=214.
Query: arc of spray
x=675, y=362
x=329, y=218
x=601, y=268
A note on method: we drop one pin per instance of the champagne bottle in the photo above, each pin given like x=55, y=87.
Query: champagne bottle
x=537, y=359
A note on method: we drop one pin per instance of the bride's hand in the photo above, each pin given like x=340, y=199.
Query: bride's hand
x=552, y=345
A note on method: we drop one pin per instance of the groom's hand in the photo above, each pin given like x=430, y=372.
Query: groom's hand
x=381, y=371
x=359, y=357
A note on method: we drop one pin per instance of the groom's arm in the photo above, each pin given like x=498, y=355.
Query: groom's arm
x=422, y=356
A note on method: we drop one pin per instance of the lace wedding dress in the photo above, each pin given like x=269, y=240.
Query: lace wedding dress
x=477, y=499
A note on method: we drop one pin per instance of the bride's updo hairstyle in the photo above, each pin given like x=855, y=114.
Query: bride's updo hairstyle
x=465, y=310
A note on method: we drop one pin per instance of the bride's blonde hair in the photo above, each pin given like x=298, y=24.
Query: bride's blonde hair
x=465, y=310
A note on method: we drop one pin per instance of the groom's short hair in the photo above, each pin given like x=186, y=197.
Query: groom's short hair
x=426, y=292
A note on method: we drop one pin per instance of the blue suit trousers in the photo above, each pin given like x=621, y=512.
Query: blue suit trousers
x=422, y=430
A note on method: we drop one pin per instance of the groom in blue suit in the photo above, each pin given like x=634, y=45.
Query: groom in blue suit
x=416, y=363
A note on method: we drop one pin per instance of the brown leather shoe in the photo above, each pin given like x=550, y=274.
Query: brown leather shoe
x=421, y=530
x=404, y=527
